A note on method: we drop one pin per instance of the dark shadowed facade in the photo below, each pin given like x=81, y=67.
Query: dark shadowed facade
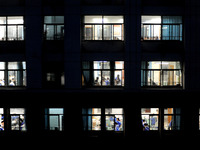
x=100, y=71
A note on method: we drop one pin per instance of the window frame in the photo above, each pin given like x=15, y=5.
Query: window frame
x=145, y=71
x=16, y=25
x=173, y=115
x=102, y=24
x=180, y=37
x=112, y=70
x=102, y=116
x=55, y=36
x=149, y=116
x=6, y=71
x=18, y=115
x=60, y=127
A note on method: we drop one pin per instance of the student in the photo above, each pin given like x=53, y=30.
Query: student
x=118, y=124
x=146, y=127
x=2, y=124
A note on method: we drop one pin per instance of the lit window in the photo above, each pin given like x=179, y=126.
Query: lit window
x=12, y=74
x=1, y=119
x=161, y=28
x=150, y=118
x=54, y=27
x=114, y=119
x=172, y=119
x=93, y=118
x=103, y=28
x=18, y=121
x=54, y=119
x=103, y=74
x=11, y=28
x=161, y=73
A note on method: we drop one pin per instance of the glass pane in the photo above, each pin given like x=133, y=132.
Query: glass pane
x=153, y=122
x=106, y=78
x=151, y=32
x=172, y=19
x=15, y=123
x=172, y=122
x=119, y=65
x=20, y=33
x=114, y=111
x=93, y=19
x=150, y=111
x=12, y=33
x=22, y=122
x=1, y=120
x=171, y=65
x=53, y=123
x=113, y=19
x=118, y=78
x=94, y=111
x=154, y=65
x=97, y=78
x=168, y=122
x=86, y=78
x=89, y=32
x=2, y=65
x=15, y=20
x=54, y=19
x=2, y=33
x=97, y=32
x=61, y=123
x=165, y=32
x=108, y=32
x=50, y=32
x=16, y=65
x=86, y=65
x=1, y=111
x=168, y=111
x=84, y=118
x=98, y=65
x=2, y=20
x=14, y=78
x=117, y=32
x=119, y=122
x=17, y=111
x=2, y=78
x=60, y=32
x=96, y=123
x=56, y=111
x=110, y=122
x=151, y=19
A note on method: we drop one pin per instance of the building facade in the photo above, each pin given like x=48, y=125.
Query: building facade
x=71, y=68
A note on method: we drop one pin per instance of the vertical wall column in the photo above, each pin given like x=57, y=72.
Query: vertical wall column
x=132, y=43
x=33, y=24
x=72, y=44
x=192, y=45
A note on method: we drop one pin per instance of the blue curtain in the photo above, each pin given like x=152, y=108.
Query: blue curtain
x=173, y=28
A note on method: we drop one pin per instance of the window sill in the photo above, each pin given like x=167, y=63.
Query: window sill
x=162, y=88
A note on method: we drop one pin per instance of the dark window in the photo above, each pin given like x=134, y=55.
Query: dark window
x=54, y=27
x=54, y=119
